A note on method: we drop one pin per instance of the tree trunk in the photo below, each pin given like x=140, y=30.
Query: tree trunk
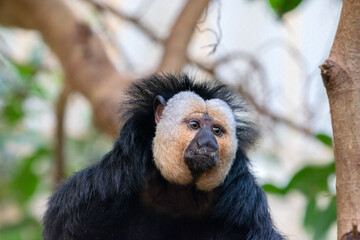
x=341, y=76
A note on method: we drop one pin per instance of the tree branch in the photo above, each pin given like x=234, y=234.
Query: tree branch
x=210, y=68
x=175, y=48
x=105, y=7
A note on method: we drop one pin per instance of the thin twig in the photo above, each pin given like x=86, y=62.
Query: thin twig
x=211, y=68
x=355, y=232
x=105, y=7
x=251, y=99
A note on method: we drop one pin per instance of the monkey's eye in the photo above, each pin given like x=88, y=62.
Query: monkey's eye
x=194, y=125
x=217, y=131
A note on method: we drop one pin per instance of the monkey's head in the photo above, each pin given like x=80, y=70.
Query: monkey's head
x=192, y=129
x=195, y=139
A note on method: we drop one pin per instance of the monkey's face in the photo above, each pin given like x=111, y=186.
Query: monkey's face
x=195, y=140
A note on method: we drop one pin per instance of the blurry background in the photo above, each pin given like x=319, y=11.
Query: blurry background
x=269, y=50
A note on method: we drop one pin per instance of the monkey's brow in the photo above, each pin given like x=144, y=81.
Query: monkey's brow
x=199, y=115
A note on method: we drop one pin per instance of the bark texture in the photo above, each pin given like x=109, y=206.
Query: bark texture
x=341, y=76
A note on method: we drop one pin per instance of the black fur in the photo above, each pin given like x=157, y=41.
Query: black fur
x=124, y=196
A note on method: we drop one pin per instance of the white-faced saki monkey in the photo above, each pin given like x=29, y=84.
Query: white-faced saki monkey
x=178, y=170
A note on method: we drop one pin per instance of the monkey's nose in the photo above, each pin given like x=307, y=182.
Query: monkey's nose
x=207, y=141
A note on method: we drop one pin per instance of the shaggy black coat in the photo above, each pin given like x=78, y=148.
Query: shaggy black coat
x=107, y=200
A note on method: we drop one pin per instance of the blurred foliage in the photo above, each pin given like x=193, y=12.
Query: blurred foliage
x=280, y=7
x=26, y=149
x=21, y=150
x=314, y=182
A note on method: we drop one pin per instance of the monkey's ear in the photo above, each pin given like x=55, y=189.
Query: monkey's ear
x=159, y=105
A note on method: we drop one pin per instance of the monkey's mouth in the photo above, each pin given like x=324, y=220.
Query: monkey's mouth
x=201, y=162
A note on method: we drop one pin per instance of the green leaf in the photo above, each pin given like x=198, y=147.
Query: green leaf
x=309, y=180
x=319, y=220
x=283, y=6
x=13, y=110
x=36, y=90
x=269, y=188
x=312, y=179
x=325, y=139
x=311, y=213
x=325, y=219
x=25, y=71
x=25, y=180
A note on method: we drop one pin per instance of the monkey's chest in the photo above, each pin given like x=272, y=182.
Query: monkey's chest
x=165, y=198
x=166, y=211
x=144, y=223
x=176, y=200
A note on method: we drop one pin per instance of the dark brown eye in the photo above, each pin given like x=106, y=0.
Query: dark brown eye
x=194, y=125
x=217, y=131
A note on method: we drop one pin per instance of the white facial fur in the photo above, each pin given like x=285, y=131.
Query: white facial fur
x=172, y=137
